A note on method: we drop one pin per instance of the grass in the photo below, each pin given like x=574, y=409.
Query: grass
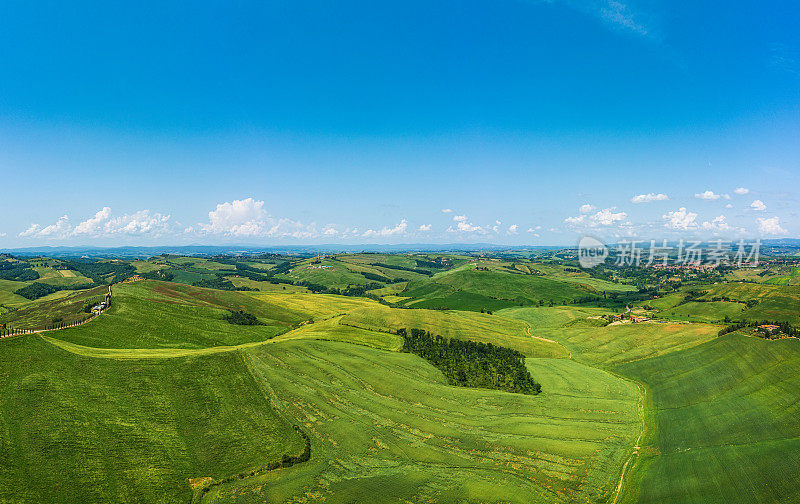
x=775, y=302
x=727, y=423
x=614, y=344
x=64, y=306
x=317, y=306
x=152, y=314
x=463, y=325
x=337, y=276
x=385, y=427
x=712, y=311
x=333, y=330
x=468, y=289
x=80, y=429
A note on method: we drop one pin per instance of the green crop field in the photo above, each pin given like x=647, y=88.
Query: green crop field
x=726, y=423
x=385, y=428
x=82, y=429
x=775, y=302
x=456, y=324
x=711, y=311
x=163, y=399
x=468, y=289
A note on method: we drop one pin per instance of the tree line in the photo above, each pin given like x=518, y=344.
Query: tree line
x=472, y=364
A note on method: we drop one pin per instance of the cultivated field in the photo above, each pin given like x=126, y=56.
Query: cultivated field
x=167, y=397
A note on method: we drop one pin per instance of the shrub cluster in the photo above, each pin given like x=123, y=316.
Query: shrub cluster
x=242, y=318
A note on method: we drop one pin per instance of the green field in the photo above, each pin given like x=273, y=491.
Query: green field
x=726, y=423
x=775, y=302
x=711, y=311
x=161, y=396
x=384, y=427
x=81, y=429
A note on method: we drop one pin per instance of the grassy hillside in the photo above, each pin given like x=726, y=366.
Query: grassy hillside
x=456, y=324
x=385, y=428
x=775, y=302
x=712, y=311
x=62, y=306
x=469, y=289
x=80, y=429
x=317, y=306
x=613, y=344
x=727, y=423
x=153, y=314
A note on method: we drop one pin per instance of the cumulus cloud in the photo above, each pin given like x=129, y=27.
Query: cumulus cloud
x=425, y=227
x=247, y=218
x=399, y=229
x=607, y=216
x=741, y=190
x=770, y=226
x=708, y=195
x=586, y=208
x=240, y=218
x=680, y=219
x=728, y=206
x=758, y=205
x=104, y=224
x=512, y=229
x=464, y=226
x=717, y=224
x=447, y=210
x=604, y=217
x=649, y=198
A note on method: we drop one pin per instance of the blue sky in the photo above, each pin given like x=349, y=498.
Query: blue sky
x=532, y=122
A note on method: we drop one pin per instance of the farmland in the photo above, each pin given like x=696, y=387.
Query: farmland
x=163, y=399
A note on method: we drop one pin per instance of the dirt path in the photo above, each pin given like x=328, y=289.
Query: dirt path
x=631, y=461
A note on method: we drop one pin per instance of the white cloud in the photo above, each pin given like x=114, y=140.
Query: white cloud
x=680, y=219
x=496, y=227
x=604, y=217
x=425, y=227
x=512, y=229
x=771, y=226
x=330, y=231
x=2, y=235
x=240, y=218
x=447, y=210
x=103, y=224
x=463, y=226
x=580, y=219
x=140, y=223
x=741, y=190
x=607, y=216
x=649, y=198
x=758, y=205
x=94, y=225
x=586, y=208
x=399, y=229
x=717, y=224
x=728, y=206
x=708, y=195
